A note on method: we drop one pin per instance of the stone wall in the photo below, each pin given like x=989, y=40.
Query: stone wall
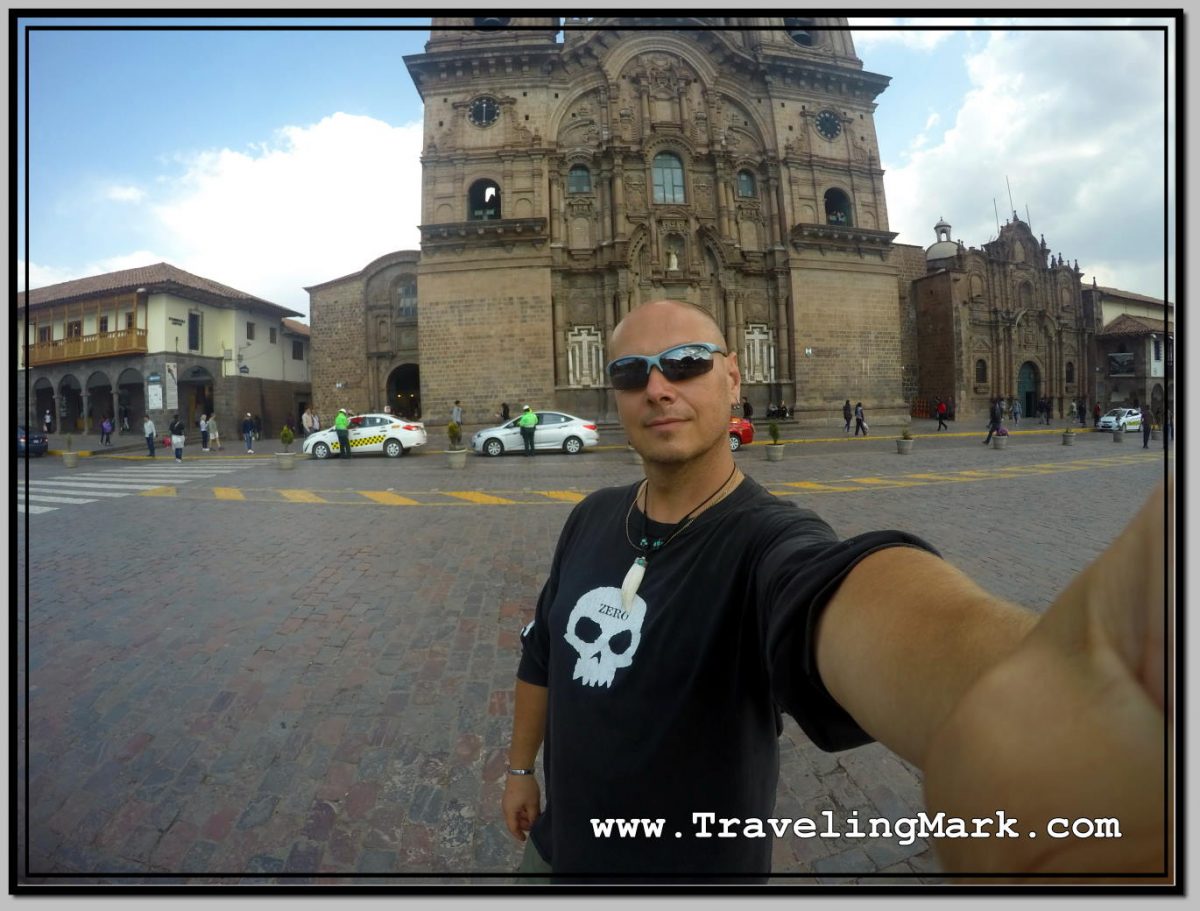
x=338, y=347
x=910, y=261
x=937, y=341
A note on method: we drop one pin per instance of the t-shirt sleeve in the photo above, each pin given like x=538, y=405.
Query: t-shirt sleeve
x=797, y=577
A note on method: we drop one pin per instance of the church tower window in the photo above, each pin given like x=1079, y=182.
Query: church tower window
x=483, y=201
x=492, y=21
x=1070, y=372
x=668, y=178
x=837, y=208
x=746, y=187
x=801, y=31
x=981, y=371
x=579, y=180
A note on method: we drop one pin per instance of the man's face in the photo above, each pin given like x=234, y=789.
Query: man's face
x=675, y=422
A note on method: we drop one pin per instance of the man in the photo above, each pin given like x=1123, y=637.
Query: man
x=456, y=413
x=306, y=422
x=747, y=409
x=1147, y=420
x=527, y=422
x=995, y=417
x=341, y=424
x=150, y=433
x=681, y=610
x=178, y=430
x=941, y=415
x=848, y=415
x=248, y=432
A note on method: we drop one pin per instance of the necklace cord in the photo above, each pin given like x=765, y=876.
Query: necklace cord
x=645, y=545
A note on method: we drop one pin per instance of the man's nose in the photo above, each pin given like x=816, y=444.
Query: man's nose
x=658, y=385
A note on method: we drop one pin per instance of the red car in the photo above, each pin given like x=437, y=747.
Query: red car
x=741, y=432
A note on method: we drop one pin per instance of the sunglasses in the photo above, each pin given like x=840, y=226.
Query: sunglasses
x=683, y=362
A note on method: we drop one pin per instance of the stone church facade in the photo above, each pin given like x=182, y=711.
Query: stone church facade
x=574, y=170
x=1004, y=320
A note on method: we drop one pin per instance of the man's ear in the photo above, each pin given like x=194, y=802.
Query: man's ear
x=735, y=378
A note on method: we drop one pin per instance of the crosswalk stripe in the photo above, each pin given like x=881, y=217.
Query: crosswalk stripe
x=43, y=498
x=44, y=487
x=302, y=496
x=388, y=498
x=228, y=493
x=483, y=499
x=569, y=496
x=33, y=510
x=131, y=487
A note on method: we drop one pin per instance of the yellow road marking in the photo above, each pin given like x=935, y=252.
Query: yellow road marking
x=388, y=499
x=569, y=496
x=888, y=482
x=818, y=488
x=483, y=499
x=951, y=479
x=301, y=496
x=159, y=492
x=228, y=493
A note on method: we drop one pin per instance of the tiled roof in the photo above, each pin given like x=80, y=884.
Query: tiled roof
x=1127, y=324
x=299, y=328
x=158, y=277
x=1129, y=295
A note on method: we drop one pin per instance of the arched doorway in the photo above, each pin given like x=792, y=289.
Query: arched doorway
x=70, y=405
x=131, y=400
x=196, y=395
x=404, y=391
x=1027, y=388
x=100, y=402
x=43, y=401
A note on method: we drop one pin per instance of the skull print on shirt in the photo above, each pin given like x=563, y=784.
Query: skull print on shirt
x=605, y=636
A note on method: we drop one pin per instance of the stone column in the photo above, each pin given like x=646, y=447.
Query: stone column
x=618, y=209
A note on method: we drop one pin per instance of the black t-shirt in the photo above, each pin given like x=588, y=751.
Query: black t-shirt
x=673, y=709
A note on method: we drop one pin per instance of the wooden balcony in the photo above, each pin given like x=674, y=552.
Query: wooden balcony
x=82, y=347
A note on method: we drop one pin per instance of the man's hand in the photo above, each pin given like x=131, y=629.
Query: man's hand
x=522, y=804
x=1071, y=726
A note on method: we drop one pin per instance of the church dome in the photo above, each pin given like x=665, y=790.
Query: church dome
x=945, y=247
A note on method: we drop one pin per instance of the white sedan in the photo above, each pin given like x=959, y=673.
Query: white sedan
x=386, y=433
x=1122, y=419
x=554, y=430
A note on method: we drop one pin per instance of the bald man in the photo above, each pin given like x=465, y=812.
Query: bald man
x=683, y=612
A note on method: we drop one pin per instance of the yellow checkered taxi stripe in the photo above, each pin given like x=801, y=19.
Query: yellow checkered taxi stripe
x=373, y=440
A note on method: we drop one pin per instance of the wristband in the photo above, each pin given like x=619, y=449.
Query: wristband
x=520, y=771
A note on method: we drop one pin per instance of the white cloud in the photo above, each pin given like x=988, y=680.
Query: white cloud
x=41, y=276
x=118, y=193
x=1074, y=120
x=914, y=34
x=318, y=202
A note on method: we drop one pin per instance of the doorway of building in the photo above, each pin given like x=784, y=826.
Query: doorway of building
x=404, y=391
x=1027, y=388
x=195, y=395
x=131, y=401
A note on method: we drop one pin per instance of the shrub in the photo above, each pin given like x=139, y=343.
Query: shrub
x=906, y=433
x=773, y=431
x=455, y=433
x=285, y=437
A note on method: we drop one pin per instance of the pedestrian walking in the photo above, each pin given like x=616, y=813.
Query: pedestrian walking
x=204, y=433
x=860, y=420
x=306, y=421
x=527, y=422
x=178, y=430
x=214, y=435
x=995, y=418
x=1096, y=415
x=1083, y=412
x=106, y=427
x=681, y=617
x=941, y=415
x=848, y=414
x=248, y=432
x=503, y=414
x=747, y=409
x=46, y=421
x=125, y=420
x=1016, y=412
x=341, y=424
x=150, y=433
x=456, y=413
x=316, y=423
x=1147, y=420
x=258, y=427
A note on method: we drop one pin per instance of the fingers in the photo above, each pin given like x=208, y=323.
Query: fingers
x=521, y=806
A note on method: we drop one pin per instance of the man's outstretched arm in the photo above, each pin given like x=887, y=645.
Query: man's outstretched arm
x=522, y=801
x=1057, y=718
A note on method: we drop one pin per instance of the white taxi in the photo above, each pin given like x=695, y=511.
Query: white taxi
x=387, y=433
x=1122, y=419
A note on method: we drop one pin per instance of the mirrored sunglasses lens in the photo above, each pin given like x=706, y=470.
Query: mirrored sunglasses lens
x=685, y=364
x=629, y=373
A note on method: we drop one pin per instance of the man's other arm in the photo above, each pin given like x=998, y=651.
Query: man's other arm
x=522, y=798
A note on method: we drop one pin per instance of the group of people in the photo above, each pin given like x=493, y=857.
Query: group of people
x=857, y=415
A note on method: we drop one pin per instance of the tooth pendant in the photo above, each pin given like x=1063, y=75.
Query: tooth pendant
x=633, y=579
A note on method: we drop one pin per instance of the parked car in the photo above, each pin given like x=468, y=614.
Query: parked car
x=741, y=432
x=35, y=443
x=1122, y=419
x=387, y=433
x=554, y=431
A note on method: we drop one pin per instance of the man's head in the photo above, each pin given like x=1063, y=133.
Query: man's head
x=681, y=420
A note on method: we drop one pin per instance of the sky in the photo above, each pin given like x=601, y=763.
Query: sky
x=272, y=160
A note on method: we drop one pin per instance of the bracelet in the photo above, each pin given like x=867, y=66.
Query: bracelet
x=520, y=771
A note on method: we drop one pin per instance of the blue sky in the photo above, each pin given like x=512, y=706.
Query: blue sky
x=270, y=160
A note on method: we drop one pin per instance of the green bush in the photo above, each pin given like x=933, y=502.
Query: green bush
x=455, y=433
x=286, y=436
x=773, y=431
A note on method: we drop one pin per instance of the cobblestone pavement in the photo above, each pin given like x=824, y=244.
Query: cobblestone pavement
x=227, y=688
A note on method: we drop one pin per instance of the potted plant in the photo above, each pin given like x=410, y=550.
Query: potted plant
x=1068, y=437
x=1118, y=434
x=70, y=457
x=286, y=459
x=1000, y=440
x=904, y=445
x=1155, y=432
x=774, y=448
x=456, y=454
